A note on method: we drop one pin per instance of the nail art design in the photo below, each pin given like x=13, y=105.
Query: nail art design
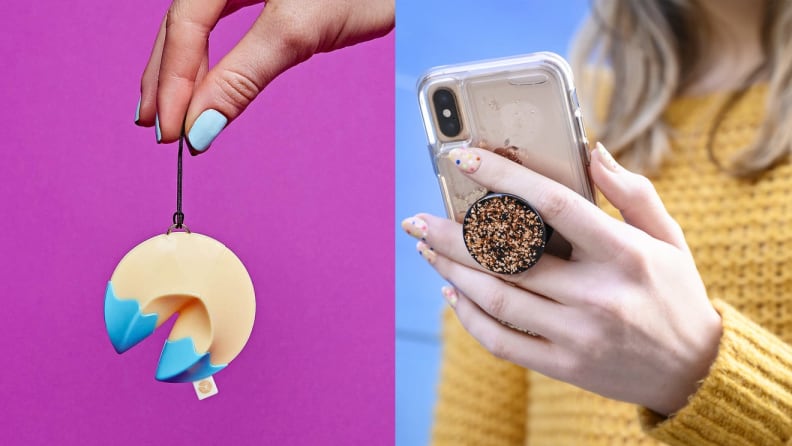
x=450, y=295
x=137, y=111
x=157, y=130
x=607, y=158
x=205, y=129
x=416, y=227
x=427, y=252
x=465, y=159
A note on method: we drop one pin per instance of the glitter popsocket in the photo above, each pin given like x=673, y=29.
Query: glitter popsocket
x=504, y=234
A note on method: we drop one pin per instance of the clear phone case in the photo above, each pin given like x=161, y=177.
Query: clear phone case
x=524, y=108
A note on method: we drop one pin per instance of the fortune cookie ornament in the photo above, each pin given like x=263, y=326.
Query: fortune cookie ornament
x=192, y=275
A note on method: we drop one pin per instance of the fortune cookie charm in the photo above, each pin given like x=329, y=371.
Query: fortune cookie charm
x=192, y=275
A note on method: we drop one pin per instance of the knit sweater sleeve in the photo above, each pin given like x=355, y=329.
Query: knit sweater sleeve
x=746, y=399
x=482, y=400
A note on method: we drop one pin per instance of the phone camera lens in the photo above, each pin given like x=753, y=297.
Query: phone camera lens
x=447, y=112
x=450, y=128
x=443, y=97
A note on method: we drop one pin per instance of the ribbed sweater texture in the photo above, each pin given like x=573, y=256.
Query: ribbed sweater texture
x=740, y=233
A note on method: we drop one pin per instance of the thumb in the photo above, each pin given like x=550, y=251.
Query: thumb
x=269, y=48
x=635, y=197
x=285, y=34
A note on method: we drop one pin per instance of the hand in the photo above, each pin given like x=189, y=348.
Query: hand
x=626, y=317
x=178, y=83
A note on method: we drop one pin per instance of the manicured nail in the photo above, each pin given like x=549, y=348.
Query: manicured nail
x=607, y=158
x=157, y=130
x=416, y=227
x=205, y=129
x=137, y=111
x=427, y=252
x=465, y=159
x=450, y=295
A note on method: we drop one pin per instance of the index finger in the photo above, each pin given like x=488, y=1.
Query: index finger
x=186, y=38
x=584, y=225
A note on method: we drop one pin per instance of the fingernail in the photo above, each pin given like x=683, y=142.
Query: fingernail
x=450, y=295
x=415, y=226
x=607, y=158
x=157, y=130
x=206, y=128
x=427, y=252
x=465, y=159
x=137, y=111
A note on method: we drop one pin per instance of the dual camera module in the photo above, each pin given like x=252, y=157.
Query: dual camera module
x=447, y=113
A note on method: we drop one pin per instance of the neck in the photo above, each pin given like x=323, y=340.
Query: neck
x=731, y=47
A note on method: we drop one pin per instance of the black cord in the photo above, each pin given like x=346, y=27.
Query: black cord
x=178, y=216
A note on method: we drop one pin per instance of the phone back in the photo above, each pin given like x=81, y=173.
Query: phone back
x=524, y=108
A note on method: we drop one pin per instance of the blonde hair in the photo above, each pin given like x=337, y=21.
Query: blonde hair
x=647, y=48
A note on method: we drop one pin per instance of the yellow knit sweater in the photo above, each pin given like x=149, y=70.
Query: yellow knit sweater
x=741, y=237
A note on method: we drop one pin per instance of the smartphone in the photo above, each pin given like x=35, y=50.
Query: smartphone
x=524, y=108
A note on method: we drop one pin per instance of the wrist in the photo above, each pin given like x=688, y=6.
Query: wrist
x=690, y=374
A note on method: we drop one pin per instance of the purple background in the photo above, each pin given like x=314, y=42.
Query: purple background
x=300, y=187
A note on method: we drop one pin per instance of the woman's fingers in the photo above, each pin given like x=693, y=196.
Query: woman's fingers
x=535, y=353
x=501, y=300
x=146, y=114
x=549, y=277
x=179, y=90
x=185, y=48
x=635, y=197
x=585, y=226
x=230, y=86
x=285, y=34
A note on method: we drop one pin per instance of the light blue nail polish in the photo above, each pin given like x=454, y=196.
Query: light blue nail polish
x=157, y=130
x=206, y=128
x=137, y=112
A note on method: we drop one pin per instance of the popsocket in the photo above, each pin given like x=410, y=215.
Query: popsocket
x=504, y=233
x=192, y=275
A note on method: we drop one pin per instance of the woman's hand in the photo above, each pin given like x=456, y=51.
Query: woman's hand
x=178, y=87
x=627, y=317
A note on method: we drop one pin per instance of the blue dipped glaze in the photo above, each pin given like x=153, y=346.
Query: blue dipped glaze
x=181, y=363
x=125, y=323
